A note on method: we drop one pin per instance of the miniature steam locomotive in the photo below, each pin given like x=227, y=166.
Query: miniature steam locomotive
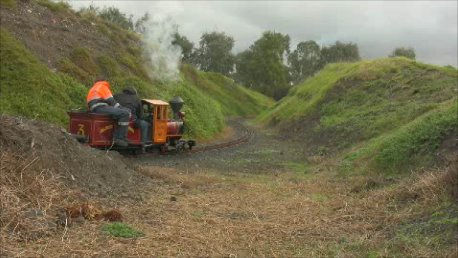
x=166, y=134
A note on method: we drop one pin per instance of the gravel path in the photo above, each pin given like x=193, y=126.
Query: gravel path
x=265, y=152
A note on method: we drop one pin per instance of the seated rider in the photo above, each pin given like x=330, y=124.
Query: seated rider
x=101, y=101
x=129, y=99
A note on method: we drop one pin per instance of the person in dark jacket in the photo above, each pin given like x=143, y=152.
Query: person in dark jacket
x=129, y=99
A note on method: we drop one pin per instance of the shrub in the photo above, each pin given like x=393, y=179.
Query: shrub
x=405, y=52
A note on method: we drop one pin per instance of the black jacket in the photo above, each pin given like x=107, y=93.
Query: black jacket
x=128, y=98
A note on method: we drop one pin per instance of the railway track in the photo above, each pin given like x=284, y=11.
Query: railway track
x=246, y=136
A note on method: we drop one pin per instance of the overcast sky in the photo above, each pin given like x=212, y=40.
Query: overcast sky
x=377, y=27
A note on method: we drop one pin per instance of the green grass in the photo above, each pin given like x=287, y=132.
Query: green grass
x=304, y=98
x=8, y=3
x=235, y=100
x=118, y=229
x=434, y=232
x=298, y=167
x=28, y=88
x=57, y=7
x=385, y=115
x=32, y=90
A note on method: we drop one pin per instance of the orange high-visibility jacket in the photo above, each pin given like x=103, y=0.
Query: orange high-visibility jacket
x=100, y=95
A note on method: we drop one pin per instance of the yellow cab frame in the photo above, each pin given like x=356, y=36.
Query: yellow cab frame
x=160, y=111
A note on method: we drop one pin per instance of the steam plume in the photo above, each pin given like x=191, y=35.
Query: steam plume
x=165, y=57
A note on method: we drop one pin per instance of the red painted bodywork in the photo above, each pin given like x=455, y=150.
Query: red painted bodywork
x=173, y=129
x=98, y=129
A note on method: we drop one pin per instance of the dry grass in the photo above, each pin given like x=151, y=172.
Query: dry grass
x=247, y=215
x=29, y=197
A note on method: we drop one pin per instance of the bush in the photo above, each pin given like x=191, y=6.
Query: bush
x=405, y=52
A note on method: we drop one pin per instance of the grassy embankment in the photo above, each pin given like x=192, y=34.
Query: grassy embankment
x=31, y=89
x=372, y=124
x=386, y=115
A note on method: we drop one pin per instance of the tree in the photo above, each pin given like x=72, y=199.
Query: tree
x=305, y=60
x=140, y=24
x=405, y=52
x=214, y=53
x=262, y=67
x=185, y=45
x=340, y=52
x=113, y=15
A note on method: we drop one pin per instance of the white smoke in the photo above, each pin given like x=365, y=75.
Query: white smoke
x=165, y=58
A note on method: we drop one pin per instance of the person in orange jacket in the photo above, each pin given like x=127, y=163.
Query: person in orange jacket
x=100, y=100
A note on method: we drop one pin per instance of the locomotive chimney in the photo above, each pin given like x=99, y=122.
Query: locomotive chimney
x=176, y=104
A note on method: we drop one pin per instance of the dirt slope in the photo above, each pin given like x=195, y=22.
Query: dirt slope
x=96, y=172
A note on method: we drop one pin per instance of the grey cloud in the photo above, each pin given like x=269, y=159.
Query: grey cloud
x=377, y=27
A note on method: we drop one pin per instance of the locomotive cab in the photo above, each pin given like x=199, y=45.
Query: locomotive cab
x=156, y=113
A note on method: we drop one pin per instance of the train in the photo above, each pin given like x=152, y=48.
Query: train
x=96, y=130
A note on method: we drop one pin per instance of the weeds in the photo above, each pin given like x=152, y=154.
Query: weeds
x=119, y=229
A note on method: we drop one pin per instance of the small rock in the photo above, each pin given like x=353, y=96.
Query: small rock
x=173, y=199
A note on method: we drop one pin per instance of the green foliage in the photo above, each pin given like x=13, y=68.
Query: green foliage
x=113, y=15
x=108, y=66
x=203, y=114
x=214, y=53
x=262, y=66
x=133, y=63
x=411, y=145
x=385, y=115
x=8, y=3
x=59, y=6
x=340, y=52
x=68, y=67
x=82, y=58
x=405, y=52
x=30, y=89
x=118, y=229
x=140, y=24
x=235, y=100
x=185, y=45
x=304, y=98
x=305, y=60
